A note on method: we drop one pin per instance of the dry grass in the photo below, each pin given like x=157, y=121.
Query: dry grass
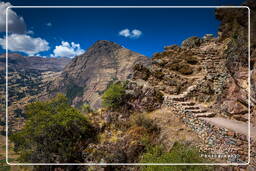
x=172, y=128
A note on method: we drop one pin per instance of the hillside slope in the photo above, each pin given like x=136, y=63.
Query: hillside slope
x=86, y=77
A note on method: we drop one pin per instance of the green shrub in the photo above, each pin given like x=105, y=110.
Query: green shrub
x=180, y=153
x=86, y=108
x=235, y=36
x=73, y=91
x=113, y=97
x=54, y=132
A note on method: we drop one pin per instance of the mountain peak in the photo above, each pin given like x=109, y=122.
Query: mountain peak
x=105, y=44
x=93, y=71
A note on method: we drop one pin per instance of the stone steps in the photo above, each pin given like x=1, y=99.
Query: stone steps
x=180, y=99
x=206, y=114
x=191, y=107
x=187, y=103
x=196, y=110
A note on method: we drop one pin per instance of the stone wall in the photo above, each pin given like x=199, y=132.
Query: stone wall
x=227, y=145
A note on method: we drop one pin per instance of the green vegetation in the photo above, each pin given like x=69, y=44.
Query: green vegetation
x=235, y=36
x=4, y=166
x=21, y=84
x=180, y=153
x=86, y=108
x=54, y=132
x=113, y=97
x=73, y=91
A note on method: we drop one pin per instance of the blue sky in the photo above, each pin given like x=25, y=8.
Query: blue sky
x=149, y=29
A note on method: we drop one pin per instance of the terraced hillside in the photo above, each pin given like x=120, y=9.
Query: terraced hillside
x=27, y=78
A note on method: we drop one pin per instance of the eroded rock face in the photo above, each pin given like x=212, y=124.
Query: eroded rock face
x=143, y=97
x=233, y=32
x=88, y=75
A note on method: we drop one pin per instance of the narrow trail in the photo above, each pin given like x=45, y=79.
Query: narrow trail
x=211, y=60
x=218, y=133
x=236, y=126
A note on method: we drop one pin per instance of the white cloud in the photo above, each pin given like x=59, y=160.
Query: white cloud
x=49, y=24
x=25, y=43
x=67, y=49
x=125, y=33
x=30, y=32
x=135, y=33
x=16, y=24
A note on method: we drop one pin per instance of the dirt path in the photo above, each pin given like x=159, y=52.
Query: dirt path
x=236, y=126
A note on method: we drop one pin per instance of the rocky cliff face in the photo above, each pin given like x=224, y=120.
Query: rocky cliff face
x=234, y=33
x=88, y=75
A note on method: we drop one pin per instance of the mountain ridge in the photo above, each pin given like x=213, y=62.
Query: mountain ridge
x=92, y=72
x=19, y=62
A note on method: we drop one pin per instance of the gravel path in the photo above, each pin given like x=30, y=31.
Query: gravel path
x=236, y=126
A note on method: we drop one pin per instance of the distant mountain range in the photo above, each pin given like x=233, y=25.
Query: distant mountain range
x=20, y=63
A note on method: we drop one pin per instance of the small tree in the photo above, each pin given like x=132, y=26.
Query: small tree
x=113, y=97
x=86, y=108
x=54, y=132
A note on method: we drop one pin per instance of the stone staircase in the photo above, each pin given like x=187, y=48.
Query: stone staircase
x=217, y=137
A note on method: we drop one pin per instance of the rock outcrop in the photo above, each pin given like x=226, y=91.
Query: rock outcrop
x=88, y=75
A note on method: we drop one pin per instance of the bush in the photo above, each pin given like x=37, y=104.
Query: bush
x=158, y=74
x=113, y=97
x=73, y=91
x=86, y=108
x=186, y=70
x=54, y=132
x=191, y=60
x=141, y=72
x=180, y=153
x=182, y=68
x=141, y=121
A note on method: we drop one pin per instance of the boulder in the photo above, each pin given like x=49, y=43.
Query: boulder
x=192, y=42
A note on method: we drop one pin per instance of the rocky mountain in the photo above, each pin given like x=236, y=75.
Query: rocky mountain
x=28, y=77
x=195, y=94
x=86, y=77
x=204, y=84
x=17, y=62
x=26, y=73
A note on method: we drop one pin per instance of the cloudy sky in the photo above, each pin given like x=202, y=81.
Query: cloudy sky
x=69, y=32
